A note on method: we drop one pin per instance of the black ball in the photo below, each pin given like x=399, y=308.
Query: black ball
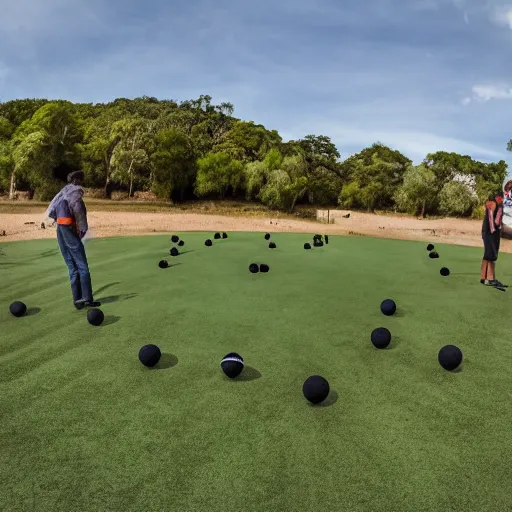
x=264, y=268
x=381, y=337
x=445, y=272
x=95, y=316
x=232, y=365
x=216, y=236
x=318, y=243
x=175, y=239
x=253, y=268
x=174, y=252
x=181, y=243
x=450, y=357
x=326, y=238
x=307, y=245
x=208, y=243
x=163, y=264
x=315, y=389
x=267, y=236
x=388, y=307
x=272, y=245
x=224, y=235
x=317, y=237
x=149, y=355
x=18, y=308
x=430, y=247
x=433, y=255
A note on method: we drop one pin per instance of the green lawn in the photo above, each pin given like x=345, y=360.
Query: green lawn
x=85, y=427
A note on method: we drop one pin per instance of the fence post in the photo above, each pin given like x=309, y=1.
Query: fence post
x=328, y=216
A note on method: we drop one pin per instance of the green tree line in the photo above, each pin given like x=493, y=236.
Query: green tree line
x=195, y=149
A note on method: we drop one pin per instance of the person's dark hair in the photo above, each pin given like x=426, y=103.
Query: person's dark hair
x=75, y=176
x=508, y=185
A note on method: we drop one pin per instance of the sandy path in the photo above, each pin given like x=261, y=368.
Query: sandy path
x=106, y=224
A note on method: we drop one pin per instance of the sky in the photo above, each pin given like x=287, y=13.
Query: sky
x=417, y=75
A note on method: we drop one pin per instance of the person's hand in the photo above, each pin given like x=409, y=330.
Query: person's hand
x=82, y=234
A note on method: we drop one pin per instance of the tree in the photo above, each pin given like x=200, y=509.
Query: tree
x=247, y=141
x=6, y=129
x=100, y=141
x=131, y=153
x=218, y=173
x=39, y=144
x=456, y=199
x=350, y=196
x=286, y=185
x=173, y=164
x=256, y=176
x=418, y=191
x=378, y=171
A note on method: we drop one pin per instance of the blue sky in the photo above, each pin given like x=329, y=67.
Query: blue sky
x=418, y=75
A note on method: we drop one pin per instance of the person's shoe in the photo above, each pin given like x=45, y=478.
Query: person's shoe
x=83, y=303
x=501, y=285
x=92, y=304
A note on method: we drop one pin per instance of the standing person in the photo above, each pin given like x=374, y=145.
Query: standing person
x=68, y=210
x=491, y=235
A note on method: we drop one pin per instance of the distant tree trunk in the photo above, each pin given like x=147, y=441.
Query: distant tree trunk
x=130, y=169
x=423, y=206
x=12, y=189
x=130, y=172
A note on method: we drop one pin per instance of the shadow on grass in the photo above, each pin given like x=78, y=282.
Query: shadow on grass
x=249, y=373
x=185, y=252
x=331, y=399
x=395, y=342
x=115, y=298
x=111, y=319
x=104, y=287
x=166, y=361
x=32, y=311
x=459, y=369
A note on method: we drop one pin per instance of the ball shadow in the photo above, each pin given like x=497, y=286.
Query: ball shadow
x=185, y=252
x=32, y=311
x=166, y=361
x=395, y=342
x=249, y=373
x=111, y=319
x=331, y=399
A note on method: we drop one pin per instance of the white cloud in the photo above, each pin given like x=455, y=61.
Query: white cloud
x=492, y=92
x=502, y=15
x=466, y=100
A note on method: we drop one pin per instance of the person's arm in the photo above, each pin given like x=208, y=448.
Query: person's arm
x=499, y=216
x=79, y=211
x=51, y=212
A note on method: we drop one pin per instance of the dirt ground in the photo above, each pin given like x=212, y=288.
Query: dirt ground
x=27, y=226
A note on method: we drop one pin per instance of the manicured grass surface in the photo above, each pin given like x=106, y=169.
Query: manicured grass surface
x=85, y=427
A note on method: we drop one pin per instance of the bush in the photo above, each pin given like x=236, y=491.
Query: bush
x=350, y=196
x=94, y=193
x=456, y=199
x=119, y=195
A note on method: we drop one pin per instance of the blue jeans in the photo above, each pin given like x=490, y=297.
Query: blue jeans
x=73, y=251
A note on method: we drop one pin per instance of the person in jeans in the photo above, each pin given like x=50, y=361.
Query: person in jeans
x=68, y=210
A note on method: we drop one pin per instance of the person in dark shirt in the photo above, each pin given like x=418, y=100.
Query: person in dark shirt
x=68, y=210
x=491, y=235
